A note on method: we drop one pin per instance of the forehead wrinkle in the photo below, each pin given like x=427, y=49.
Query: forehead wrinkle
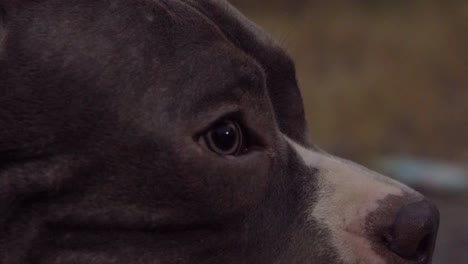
x=233, y=92
x=250, y=81
x=245, y=34
x=187, y=15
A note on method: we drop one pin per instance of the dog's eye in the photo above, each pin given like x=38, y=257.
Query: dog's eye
x=225, y=138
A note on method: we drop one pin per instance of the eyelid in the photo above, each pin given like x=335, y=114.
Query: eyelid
x=234, y=116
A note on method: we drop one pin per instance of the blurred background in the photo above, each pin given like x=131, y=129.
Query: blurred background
x=385, y=83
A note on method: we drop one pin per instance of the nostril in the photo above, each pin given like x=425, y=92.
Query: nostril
x=414, y=231
x=423, y=247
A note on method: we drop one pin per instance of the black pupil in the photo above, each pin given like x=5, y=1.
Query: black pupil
x=225, y=137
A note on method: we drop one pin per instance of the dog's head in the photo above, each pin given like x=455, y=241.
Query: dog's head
x=173, y=131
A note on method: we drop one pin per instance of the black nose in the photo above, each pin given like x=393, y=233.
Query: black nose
x=414, y=231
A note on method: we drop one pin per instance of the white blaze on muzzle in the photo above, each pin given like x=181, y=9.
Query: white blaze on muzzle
x=346, y=194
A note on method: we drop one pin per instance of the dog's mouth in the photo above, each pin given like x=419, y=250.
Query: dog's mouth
x=123, y=234
x=84, y=234
x=94, y=228
x=165, y=221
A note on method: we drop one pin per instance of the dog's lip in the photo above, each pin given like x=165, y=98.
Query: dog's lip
x=161, y=221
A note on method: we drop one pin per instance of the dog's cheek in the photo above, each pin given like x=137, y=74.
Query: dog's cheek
x=229, y=185
x=26, y=188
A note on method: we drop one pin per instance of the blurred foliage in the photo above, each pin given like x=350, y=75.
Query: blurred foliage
x=378, y=77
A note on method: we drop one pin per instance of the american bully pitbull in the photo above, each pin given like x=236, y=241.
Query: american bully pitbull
x=170, y=131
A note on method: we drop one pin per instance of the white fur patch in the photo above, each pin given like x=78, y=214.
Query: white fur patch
x=347, y=193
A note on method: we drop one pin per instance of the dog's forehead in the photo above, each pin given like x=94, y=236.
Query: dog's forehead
x=154, y=40
x=162, y=51
x=112, y=33
x=101, y=31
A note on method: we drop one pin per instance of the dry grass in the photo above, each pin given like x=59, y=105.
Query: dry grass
x=378, y=77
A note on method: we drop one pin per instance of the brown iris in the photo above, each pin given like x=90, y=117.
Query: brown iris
x=225, y=138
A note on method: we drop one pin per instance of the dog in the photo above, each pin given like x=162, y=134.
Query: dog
x=173, y=131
